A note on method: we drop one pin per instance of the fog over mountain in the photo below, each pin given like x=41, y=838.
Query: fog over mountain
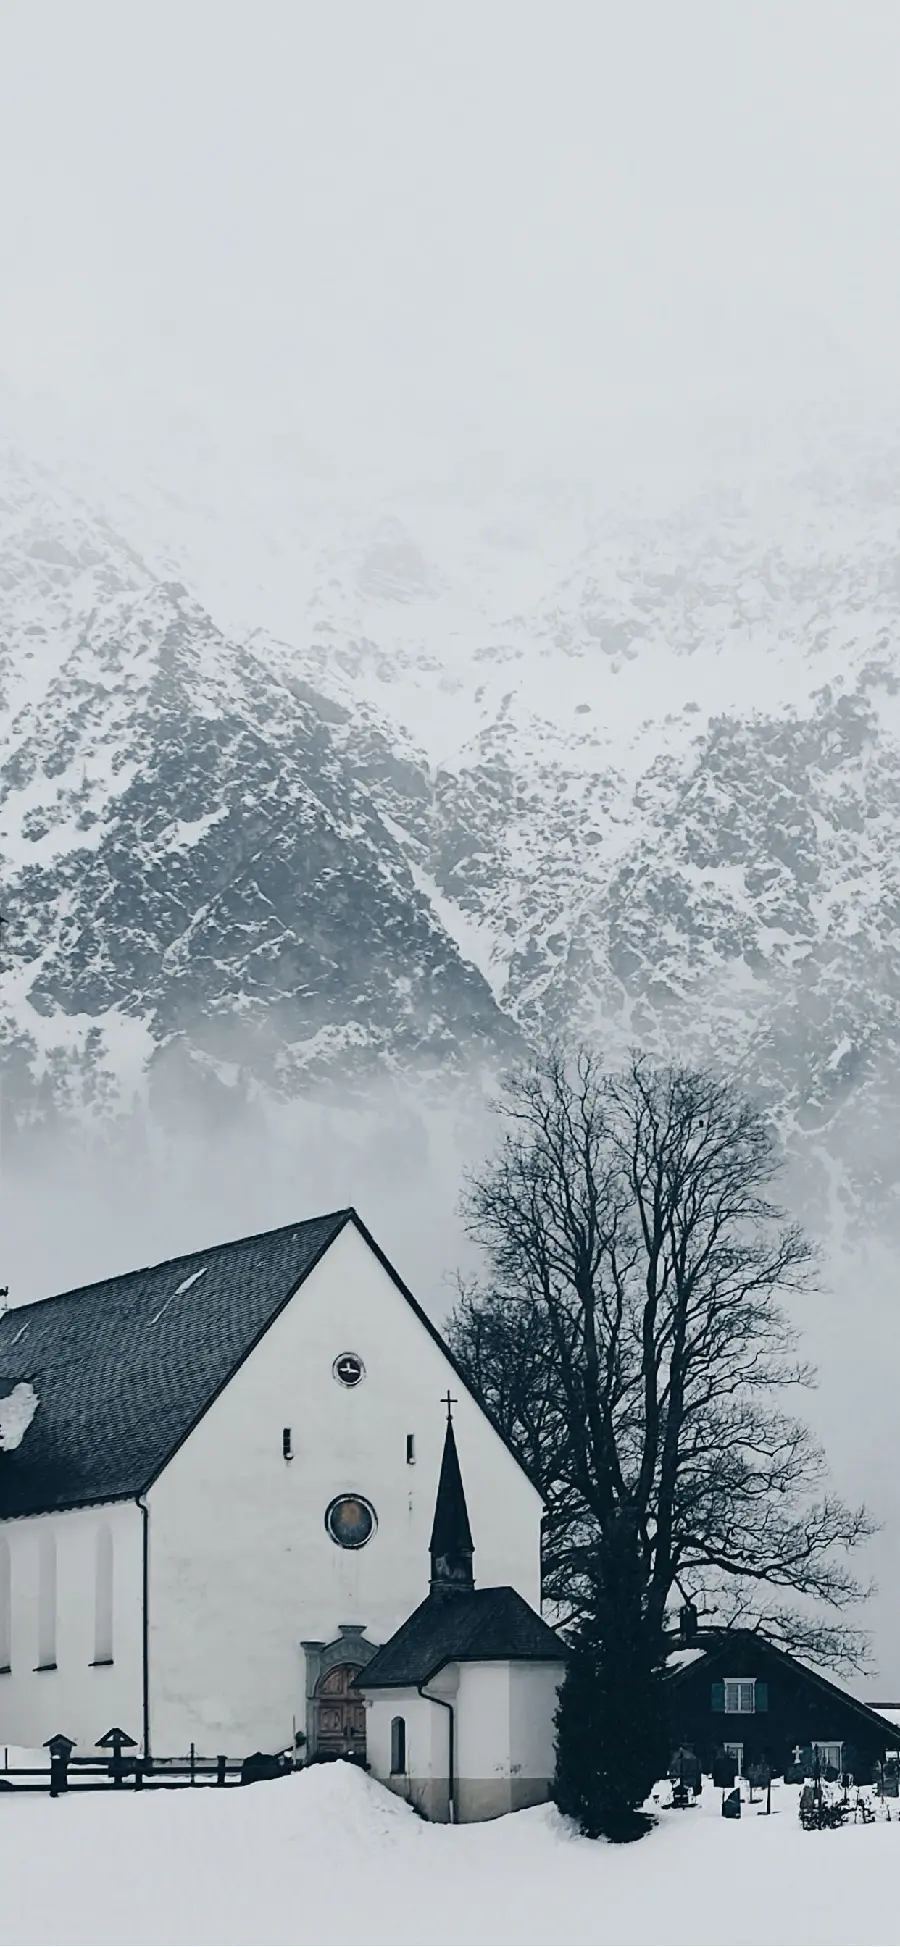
x=449, y=595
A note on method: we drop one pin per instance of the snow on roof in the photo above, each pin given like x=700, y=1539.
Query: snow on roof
x=17, y=1410
x=679, y=1659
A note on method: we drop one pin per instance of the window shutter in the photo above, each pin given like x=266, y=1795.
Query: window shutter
x=762, y=1695
x=718, y=1696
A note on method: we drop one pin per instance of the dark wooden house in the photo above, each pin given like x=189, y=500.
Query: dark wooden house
x=733, y=1691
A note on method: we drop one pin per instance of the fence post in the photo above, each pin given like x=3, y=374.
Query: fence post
x=60, y=1749
x=220, y=1769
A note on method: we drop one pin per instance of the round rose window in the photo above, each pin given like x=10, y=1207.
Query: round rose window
x=350, y=1521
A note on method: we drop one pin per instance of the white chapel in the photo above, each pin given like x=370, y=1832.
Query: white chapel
x=219, y=1508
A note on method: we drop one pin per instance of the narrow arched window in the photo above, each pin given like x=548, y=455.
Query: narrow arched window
x=398, y=1745
x=47, y=1601
x=5, y=1605
x=103, y=1595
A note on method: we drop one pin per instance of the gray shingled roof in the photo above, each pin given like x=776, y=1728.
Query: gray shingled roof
x=481, y=1626
x=124, y=1369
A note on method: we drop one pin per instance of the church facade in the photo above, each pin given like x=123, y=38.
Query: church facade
x=222, y=1503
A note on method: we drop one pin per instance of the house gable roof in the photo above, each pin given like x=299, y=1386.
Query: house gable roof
x=480, y=1626
x=126, y=1368
x=715, y=1646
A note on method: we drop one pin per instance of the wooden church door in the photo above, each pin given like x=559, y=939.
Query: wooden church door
x=340, y=1713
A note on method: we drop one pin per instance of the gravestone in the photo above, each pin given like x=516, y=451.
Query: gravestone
x=731, y=1805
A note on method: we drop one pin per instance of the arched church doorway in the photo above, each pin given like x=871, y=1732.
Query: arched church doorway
x=340, y=1713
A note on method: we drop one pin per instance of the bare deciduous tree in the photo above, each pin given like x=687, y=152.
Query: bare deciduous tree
x=632, y=1342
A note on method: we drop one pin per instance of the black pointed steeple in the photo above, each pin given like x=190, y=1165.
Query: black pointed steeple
x=452, y=1547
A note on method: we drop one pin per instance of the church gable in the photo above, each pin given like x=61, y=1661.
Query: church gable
x=123, y=1369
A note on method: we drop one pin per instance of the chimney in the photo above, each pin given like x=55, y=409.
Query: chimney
x=688, y=1623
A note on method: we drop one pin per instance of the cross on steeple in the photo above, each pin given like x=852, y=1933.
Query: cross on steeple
x=449, y=1401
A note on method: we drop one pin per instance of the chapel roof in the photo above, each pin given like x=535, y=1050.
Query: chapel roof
x=477, y=1626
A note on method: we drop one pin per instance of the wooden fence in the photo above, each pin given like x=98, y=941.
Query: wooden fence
x=124, y=1769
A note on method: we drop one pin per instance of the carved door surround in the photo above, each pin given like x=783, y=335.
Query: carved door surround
x=335, y=1718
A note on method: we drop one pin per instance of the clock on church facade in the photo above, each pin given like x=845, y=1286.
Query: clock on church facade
x=348, y=1369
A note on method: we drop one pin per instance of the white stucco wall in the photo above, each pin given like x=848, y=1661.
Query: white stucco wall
x=426, y=1736
x=533, y=1697
x=483, y=1735
x=241, y=1565
x=79, y=1699
x=504, y=1736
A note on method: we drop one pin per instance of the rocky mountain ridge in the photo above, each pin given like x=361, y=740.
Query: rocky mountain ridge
x=280, y=814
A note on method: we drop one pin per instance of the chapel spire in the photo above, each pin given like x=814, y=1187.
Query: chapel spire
x=452, y=1547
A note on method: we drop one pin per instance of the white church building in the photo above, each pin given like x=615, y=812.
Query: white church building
x=218, y=1488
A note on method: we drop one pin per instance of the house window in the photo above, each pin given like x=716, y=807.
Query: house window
x=831, y=1756
x=398, y=1745
x=103, y=1595
x=5, y=1605
x=47, y=1601
x=410, y=1449
x=286, y=1446
x=740, y=1696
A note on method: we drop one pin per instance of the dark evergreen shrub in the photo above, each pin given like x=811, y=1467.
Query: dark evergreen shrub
x=612, y=1742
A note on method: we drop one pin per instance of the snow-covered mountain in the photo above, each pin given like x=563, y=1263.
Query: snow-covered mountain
x=290, y=796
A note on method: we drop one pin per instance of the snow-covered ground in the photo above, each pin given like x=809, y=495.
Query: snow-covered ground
x=328, y=1856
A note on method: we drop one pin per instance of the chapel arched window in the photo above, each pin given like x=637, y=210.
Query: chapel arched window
x=398, y=1745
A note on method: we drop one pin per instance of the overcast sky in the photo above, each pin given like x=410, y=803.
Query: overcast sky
x=405, y=224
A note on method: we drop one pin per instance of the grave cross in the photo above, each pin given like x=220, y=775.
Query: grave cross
x=114, y=1740
x=798, y=1753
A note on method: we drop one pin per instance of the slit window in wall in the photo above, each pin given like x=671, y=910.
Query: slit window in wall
x=46, y=1657
x=286, y=1446
x=5, y=1606
x=103, y=1595
x=398, y=1745
x=410, y=1450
